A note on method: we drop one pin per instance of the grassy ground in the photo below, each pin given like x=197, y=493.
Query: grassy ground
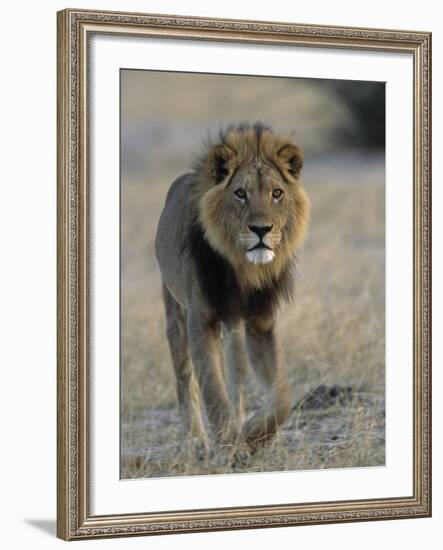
x=333, y=334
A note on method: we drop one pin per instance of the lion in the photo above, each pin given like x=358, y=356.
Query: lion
x=226, y=244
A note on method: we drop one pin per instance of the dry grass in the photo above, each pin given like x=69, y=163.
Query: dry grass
x=332, y=334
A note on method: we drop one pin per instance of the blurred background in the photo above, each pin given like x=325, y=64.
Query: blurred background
x=334, y=332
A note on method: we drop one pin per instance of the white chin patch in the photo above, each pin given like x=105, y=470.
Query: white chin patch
x=260, y=255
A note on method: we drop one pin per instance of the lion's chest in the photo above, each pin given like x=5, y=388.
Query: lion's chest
x=220, y=288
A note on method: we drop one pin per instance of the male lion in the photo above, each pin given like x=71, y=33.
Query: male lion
x=226, y=244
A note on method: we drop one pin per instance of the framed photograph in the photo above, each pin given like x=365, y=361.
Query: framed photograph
x=244, y=249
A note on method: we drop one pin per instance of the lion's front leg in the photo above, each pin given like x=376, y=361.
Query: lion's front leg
x=236, y=365
x=204, y=341
x=187, y=388
x=266, y=357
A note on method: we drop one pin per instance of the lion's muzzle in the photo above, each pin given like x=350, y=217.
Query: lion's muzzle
x=259, y=243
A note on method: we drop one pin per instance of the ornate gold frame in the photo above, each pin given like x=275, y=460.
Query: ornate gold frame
x=75, y=27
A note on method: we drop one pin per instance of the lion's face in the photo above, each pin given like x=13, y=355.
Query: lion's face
x=257, y=205
x=254, y=210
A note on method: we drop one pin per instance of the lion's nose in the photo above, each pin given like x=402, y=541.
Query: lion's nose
x=260, y=230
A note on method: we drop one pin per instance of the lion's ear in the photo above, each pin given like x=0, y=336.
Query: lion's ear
x=221, y=161
x=292, y=158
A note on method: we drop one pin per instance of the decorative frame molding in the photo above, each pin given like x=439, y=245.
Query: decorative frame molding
x=75, y=27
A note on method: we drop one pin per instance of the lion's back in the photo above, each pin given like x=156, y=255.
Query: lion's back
x=172, y=229
x=178, y=191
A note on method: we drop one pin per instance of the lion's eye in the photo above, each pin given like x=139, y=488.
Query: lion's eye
x=241, y=194
x=277, y=193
